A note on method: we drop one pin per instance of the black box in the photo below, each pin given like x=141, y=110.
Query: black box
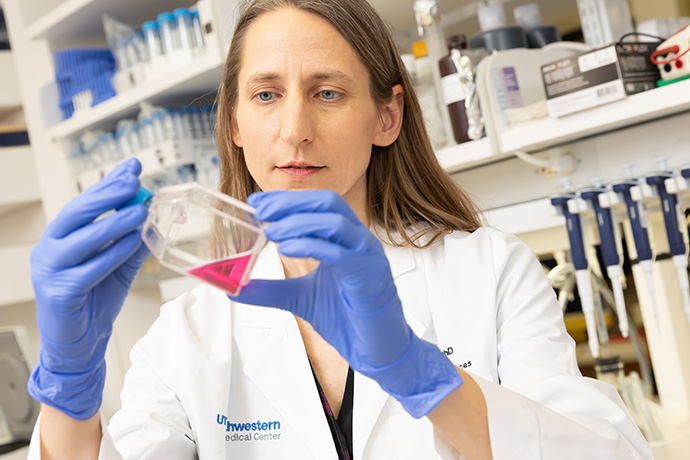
x=598, y=77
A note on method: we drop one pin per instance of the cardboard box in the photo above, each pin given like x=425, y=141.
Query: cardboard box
x=598, y=77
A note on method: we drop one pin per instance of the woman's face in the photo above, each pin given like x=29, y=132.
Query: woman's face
x=304, y=115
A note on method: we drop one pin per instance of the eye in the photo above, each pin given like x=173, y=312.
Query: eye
x=265, y=96
x=329, y=95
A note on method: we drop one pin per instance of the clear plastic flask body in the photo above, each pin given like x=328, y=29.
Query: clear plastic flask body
x=204, y=234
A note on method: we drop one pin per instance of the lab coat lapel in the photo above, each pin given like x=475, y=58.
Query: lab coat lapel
x=280, y=369
x=370, y=399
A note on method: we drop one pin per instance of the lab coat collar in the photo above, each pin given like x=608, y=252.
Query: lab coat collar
x=401, y=260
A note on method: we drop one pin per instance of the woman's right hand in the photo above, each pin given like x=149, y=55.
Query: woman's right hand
x=81, y=272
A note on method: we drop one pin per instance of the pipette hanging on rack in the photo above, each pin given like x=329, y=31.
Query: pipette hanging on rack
x=609, y=250
x=674, y=232
x=577, y=249
x=641, y=238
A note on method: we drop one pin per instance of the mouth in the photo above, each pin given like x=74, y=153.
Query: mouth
x=300, y=170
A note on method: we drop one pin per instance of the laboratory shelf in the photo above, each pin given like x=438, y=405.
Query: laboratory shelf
x=199, y=77
x=10, y=98
x=639, y=108
x=466, y=155
x=73, y=19
x=18, y=181
x=15, y=272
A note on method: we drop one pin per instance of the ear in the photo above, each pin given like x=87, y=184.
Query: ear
x=388, y=129
x=235, y=130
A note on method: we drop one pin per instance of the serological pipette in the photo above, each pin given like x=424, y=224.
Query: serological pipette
x=609, y=251
x=584, y=284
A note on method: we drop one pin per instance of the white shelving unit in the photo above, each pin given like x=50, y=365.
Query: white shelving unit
x=83, y=18
x=463, y=156
x=15, y=270
x=18, y=182
x=9, y=89
x=638, y=108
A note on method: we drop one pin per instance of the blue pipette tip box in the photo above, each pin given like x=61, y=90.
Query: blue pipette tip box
x=143, y=196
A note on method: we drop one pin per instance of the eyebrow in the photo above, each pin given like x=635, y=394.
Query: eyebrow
x=336, y=75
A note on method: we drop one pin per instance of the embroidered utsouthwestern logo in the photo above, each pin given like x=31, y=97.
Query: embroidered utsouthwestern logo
x=249, y=431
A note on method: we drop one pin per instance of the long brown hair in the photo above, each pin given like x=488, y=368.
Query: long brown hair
x=406, y=186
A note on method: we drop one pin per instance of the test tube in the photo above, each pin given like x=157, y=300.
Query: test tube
x=152, y=36
x=170, y=34
x=76, y=160
x=139, y=42
x=188, y=120
x=168, y=123
x=158, y=126
x=178, y=125
x=147, y=134
x=198, y=32
x=123, y=142
x=131, y=51
x=198, y=123
x=185, y=27
x=121, y=55
x=132, y=132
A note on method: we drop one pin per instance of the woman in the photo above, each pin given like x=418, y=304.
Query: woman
x=403, y=328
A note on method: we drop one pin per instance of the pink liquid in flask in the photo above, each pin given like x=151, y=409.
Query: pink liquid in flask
x=225, y=274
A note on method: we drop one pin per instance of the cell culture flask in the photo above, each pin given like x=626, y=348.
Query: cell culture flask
x=205, y=234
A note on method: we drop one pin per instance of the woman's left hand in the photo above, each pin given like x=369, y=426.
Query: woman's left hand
x=350, y=298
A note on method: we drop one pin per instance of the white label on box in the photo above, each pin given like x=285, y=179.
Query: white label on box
x=453, y=91
x=597, y=59
x=586, y=98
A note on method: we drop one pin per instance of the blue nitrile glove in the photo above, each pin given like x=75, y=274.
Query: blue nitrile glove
x=81, y=272
x=350, y=299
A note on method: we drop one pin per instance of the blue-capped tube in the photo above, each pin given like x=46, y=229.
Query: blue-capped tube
x=609, y=250
x=152, y=36
x=676, y=243
x=170, y=34
x=185, y=25
x=641, y=239
x=584, y=284
x=198, y=33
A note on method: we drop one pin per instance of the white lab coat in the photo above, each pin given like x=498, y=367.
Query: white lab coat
x=209, y=366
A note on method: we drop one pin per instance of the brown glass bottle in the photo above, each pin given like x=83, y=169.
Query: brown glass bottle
x=453, y=91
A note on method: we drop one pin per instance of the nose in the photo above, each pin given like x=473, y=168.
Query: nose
x=296, y=124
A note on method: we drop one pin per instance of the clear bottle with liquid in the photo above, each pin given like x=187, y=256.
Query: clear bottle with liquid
x=426, y=94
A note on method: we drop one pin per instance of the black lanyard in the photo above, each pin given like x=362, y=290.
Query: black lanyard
x=341, y=428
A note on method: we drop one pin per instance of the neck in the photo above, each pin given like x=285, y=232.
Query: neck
x=356, y=198
x=297, y=267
